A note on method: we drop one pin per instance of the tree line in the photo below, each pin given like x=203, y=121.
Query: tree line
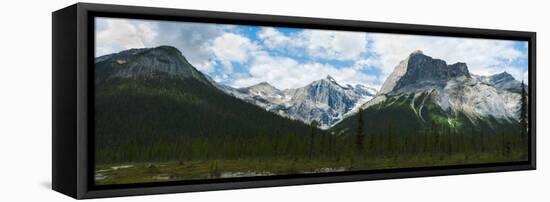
x=148, y=139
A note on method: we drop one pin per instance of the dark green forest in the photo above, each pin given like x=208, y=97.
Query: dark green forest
x=191, y=127
x=138, y=119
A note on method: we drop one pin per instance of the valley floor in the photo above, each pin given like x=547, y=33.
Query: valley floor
x=143, y=172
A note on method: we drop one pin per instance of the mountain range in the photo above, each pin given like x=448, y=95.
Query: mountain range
x=420, y=92
x=423, y=92
x=153, y=95
x=324, y=101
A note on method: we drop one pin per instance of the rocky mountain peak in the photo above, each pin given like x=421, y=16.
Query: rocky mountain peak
x=328, y=80
x=146, y=62
x=502, y=77
x=323, y=100
x=417, y=52
x=263, y=84
x=420, y=69
x=264, y=87
x=502, y=81
x=167, y=48
x=458, y=69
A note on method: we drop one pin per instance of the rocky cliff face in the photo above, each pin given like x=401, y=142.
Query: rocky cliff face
x=324, y=101
x=147, y=62
x=423, y=93
x=421, y=70
x=262, y=94
x=416, y=82
x=453, y=87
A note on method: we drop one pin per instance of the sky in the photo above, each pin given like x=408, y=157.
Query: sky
x=241, y=56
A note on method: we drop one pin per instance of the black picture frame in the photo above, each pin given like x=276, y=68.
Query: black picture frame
x=72, y=98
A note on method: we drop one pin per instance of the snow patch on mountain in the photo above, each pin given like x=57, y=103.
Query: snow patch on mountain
x=453, y=88
x=324, y=101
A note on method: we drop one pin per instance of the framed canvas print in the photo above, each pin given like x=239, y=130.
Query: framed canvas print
x=153, y=100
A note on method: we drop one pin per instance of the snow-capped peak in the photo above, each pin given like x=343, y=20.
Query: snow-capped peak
x=263, y=87
x=502, y=77
x=330, y=78
x=453, y=87
x=324, y=100
x=417, y=52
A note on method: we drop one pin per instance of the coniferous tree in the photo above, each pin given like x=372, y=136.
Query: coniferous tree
x=360, y=136
x=390, y=139
x=313, y=127
x=437, y=139
x=523, y=112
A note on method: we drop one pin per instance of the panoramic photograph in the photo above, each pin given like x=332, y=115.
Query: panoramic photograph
x=183, y=101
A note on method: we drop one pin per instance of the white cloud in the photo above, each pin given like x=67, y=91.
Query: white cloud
x=337, y=45
x=122, y=34
x=516, y=72
x=384, y=51
x=285, y=72
x=192, y=39
x=273, y=39
x=483, y=56
x=333, y=45
x=290, y=60
x=205, y=66
x=231, y=47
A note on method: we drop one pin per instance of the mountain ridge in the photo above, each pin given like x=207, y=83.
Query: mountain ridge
x=432, y=91
x=170, y=105
x=324, y=101
x=146, y=62
x=328, y=102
